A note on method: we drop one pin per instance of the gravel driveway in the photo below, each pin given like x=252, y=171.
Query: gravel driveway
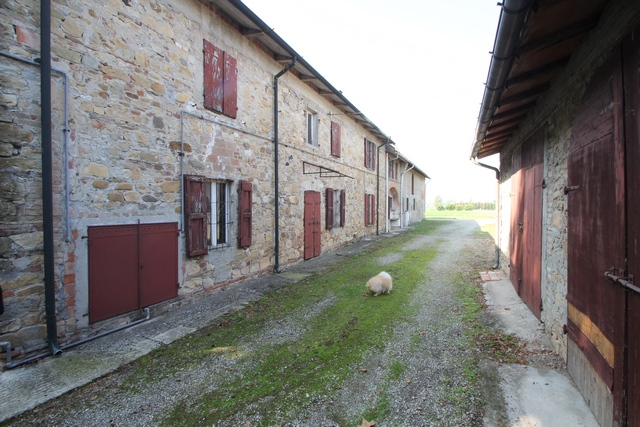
x=432, y=386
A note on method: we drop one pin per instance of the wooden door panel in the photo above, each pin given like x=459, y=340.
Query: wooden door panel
x=158, y=263
x=631, y=54
x=312, y=224
x=532, y=239
x=113, y=271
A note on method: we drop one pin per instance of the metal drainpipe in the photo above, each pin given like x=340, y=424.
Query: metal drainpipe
x=497, y=171
x=66, y=131
x=276, y=266
x=378, y=187
x=47, y=178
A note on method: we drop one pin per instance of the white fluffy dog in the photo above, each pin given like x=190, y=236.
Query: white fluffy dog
x=380, y=284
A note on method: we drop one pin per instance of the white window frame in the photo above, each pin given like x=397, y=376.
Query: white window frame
x=312, y=127
x=214, y=221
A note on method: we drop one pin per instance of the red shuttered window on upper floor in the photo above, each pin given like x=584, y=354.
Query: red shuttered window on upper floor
x=335, y=139
x=220, y=81
x=369, y=154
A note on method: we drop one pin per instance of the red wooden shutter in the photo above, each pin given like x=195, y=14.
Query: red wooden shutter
x=329, y=208
x=245, y=214
x=372, y=148
x=373, y=209
x=367, y=209
x=366, y=153
x=343, y=209
x=195, y=214
x=230, y=106
x=213, y=78
x=335, y=139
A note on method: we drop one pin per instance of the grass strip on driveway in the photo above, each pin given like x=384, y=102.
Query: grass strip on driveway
x=280, y=377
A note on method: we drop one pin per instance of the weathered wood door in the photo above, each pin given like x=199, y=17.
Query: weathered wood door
x=603, y=201
x=631, y=54
x=312, y=224
x=526, y=221
x=532, y=239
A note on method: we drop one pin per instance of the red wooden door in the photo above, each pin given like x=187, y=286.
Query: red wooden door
x=113, y=271
x=312, y=224
x=517, y=229
x=532, y=239
x=596, y=228
x=631, y=54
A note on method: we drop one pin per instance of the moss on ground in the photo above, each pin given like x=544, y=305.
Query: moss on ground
x=284, y=375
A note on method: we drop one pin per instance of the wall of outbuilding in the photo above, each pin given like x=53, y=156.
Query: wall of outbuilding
x=555, y=113
x=135, y=106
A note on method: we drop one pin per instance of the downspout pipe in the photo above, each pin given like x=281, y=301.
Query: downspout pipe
x=510, y=25
x=66, y=131
x=47, y=178
x=496, y=265
x=289, y=66
x=378, y=186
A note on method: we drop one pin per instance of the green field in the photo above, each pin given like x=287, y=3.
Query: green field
x=476, y=214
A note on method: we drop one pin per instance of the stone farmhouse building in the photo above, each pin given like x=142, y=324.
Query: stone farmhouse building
x=184, y=146
x=562, y=110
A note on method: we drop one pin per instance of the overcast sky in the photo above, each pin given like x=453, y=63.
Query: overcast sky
x=415, y=68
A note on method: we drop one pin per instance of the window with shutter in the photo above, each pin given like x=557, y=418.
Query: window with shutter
x=195, y=207
x=245, y=214
x=220, y=81
x=369, y=154
x=369, y=209
x=335, y=139
x=412, y=184
x=343, y=208
x=329, y=208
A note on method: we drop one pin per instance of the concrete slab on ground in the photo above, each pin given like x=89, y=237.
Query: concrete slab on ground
x=533, y=396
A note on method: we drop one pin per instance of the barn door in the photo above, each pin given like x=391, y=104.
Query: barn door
x=532, y=239
x=597, y=310
x=631, y=54
x=312, y=224
x=517, y=229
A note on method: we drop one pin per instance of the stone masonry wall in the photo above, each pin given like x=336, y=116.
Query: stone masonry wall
x=135, y=72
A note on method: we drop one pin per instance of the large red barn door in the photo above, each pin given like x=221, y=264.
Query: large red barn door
x=312, y=224
x=631, y=54
x=596, y=228
x=517, y=228
x=532, y=239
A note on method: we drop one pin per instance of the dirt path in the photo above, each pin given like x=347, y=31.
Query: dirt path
x=425, y=375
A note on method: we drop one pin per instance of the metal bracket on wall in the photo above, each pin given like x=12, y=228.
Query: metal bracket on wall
x=324, y=172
